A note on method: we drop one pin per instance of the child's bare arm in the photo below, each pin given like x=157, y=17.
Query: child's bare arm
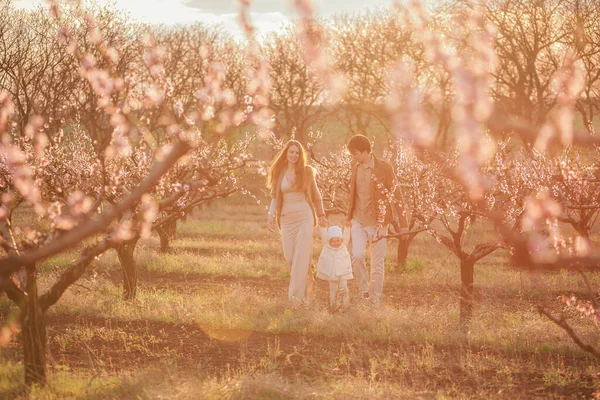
x=323, y=232
x=346, y=235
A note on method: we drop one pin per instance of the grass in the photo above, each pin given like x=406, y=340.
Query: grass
x=67, y=384
x=211, y=318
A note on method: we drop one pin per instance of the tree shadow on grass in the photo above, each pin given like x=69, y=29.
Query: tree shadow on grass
x=220, y=251
x=194, y=281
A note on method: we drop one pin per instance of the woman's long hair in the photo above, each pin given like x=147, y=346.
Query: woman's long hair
x=280, y=163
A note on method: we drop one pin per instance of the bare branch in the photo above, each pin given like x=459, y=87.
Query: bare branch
x=71, y=275
x=591, y=293
x=402, y=234
x=499, y=125
x=12, y=290
x=564, y=325
x=484, y=249
x=9, y=241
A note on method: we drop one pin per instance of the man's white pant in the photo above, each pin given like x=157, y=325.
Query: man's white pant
x=361, y=235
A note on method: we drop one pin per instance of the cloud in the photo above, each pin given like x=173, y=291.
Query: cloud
x=159, y=11
x=151, y=11
x=233, y=6
x=322, y=7
x=263, y=22
x=266, y=15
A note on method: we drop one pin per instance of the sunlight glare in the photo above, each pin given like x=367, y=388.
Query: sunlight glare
x=225, y=334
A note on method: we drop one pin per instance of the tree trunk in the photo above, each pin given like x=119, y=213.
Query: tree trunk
x=443, y=127
x=125, y=252
x=402, y=252
x=167, y=232
x=466, y=292
x=33, y=327
x=582, y=227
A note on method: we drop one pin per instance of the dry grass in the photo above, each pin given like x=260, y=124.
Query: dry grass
x=211, y=321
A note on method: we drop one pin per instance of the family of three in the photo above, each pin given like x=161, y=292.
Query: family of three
x=297, y=207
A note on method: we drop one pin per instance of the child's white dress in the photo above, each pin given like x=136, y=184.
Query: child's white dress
x=335, y=264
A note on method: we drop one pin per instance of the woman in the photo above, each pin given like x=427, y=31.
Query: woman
x=296, y=206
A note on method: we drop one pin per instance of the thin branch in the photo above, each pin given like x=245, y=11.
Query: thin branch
x=522, y=258
x=12, y=290
x=500, y=124
x=588, y=207
x=8, y=243
x=484, y=249
x=164, y=203
x=402, y=234
x=591, y=292
x=563, y=324
x=71, y=275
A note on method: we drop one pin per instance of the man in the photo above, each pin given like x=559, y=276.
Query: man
x=370, y=211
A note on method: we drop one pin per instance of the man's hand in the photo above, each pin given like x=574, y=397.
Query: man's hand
x=347, y=222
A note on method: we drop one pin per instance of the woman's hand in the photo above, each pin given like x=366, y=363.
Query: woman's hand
x=322, y=221
x=376, y=235
x=271, y=223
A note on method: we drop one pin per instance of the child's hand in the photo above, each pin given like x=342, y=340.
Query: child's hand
x=323, y=232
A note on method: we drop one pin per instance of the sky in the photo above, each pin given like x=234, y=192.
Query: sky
x=267, y=15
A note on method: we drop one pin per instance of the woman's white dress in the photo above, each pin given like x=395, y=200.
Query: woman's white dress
x=297, y=224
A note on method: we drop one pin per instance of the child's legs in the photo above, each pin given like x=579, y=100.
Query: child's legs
x=333, y=288
x=344, y=293
x=343, y=284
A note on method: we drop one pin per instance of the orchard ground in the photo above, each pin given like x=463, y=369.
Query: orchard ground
x=210, y=321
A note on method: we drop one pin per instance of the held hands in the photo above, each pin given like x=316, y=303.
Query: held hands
x=376, y=235
x=348, y=223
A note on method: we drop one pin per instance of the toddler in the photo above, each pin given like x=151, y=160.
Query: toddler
x=335, y=265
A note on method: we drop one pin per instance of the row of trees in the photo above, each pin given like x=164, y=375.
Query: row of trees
x=106, y=136
x=530, y=41
x=111, y=130
x=527, y=191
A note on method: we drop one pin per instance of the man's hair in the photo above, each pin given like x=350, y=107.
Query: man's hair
x=360, y=143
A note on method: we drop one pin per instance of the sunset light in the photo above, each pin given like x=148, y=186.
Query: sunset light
x=260, y=199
